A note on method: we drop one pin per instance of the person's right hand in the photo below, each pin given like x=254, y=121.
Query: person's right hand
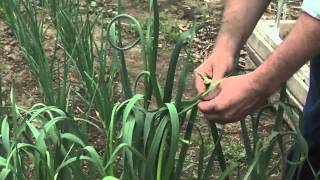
x=216, y=66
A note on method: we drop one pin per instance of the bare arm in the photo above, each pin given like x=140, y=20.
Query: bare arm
x=302, y=44
x=239, y=20
x=240, y=95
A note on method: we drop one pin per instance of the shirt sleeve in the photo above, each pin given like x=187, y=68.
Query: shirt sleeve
x=312, y=7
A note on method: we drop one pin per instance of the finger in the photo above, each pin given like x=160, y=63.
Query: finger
x=217, y=118
x=211, y=95
x=209, y=107
x=200, y=86
x=217, y=75
x=220, y=118
x=212, y=117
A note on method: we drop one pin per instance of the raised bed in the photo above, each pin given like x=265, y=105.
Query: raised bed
x=262, y=43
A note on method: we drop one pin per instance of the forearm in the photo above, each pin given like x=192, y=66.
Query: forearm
x=302, y=44
x=239, y=20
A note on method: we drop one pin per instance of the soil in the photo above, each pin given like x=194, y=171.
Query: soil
x=14, y=70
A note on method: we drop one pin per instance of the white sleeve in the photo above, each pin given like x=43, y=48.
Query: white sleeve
x=312, y=7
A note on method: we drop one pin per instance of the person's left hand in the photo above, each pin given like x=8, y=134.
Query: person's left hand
x=239, y=96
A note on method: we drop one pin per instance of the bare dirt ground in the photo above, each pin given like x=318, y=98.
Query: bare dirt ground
x=13, y=68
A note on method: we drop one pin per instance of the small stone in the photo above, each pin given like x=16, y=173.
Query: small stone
x=13, y=43
x=7, y=48
x=12, y=57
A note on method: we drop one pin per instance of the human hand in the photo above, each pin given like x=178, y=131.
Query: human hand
x=238, y=96
x=214, y=67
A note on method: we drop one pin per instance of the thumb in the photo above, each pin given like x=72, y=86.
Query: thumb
x=217, y=75
x=209, y=107
x=199, y=84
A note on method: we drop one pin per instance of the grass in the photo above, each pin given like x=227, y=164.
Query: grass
x=48, y=141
